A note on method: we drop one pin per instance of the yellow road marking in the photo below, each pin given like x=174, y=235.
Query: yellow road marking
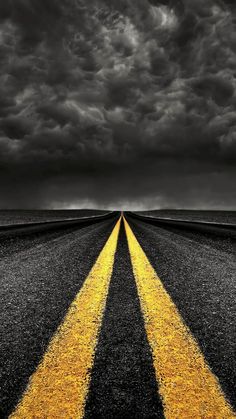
x=59, y=387
x=188, y=387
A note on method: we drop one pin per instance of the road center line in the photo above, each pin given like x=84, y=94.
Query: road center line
x=187, y=385
x=59, y=386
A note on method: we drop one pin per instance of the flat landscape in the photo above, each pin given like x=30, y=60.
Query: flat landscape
x=22, y=216
x=194, y=215
x=108, y=315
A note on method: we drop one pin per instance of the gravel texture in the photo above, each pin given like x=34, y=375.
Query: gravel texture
x=123, y=382
x=41, y=274
x=37, y=286
x=199, y=274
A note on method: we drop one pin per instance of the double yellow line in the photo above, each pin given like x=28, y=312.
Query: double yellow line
x=59, y=386
x=187, y=386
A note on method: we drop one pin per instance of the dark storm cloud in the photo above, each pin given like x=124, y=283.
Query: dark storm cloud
x=117, y=101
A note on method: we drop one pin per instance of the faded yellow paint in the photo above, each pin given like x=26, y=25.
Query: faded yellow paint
x=60, y=384
x=188, y=387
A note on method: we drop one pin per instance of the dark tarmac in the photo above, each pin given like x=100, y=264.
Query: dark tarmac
x=42, y=271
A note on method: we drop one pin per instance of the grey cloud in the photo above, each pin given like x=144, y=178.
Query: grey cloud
x=217, y=88
x=93, y=94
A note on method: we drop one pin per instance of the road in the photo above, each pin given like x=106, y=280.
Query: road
x=118, y=319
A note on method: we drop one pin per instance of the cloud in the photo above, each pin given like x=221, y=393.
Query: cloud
x=115, y=101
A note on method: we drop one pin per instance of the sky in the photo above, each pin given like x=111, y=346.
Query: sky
x=118, y=104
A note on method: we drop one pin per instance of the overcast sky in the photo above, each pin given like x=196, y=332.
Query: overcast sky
x=117, y=103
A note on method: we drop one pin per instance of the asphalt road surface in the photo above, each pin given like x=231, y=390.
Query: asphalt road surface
x=117, y=319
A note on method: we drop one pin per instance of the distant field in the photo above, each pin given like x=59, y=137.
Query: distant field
x=213, y=216
x=28, y=216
